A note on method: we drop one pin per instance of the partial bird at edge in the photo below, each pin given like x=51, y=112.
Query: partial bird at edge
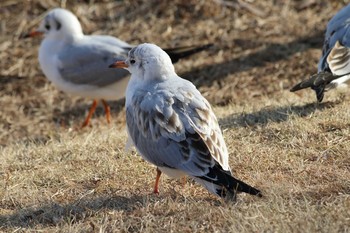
x=318, y=82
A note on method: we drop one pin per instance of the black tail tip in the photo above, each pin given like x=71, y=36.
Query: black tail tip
x=301, y=85
x=293, y=89
x=233, y=193
x=259, y=194
x=255, y=192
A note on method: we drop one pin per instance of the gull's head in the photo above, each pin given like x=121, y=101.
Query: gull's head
x=60, y=24
x=147, y=62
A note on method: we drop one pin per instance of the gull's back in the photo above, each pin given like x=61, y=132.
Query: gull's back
x=86, y=61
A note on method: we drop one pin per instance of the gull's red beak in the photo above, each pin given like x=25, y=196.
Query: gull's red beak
x=119, y=64
x=33, y=34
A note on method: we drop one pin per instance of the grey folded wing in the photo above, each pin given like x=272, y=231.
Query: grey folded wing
x=176, y=130
x=87, y=63
x=110, y=40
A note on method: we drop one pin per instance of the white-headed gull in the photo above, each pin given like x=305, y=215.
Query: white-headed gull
x=78, y=64
x=173, y=126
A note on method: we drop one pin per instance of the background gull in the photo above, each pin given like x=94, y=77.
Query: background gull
x=78, y=64
x=334, y=65
x=173, y=126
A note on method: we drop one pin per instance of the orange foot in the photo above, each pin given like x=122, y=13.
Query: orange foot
x=156, y=185
x=91, y=111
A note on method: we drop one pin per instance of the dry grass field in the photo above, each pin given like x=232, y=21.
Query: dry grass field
x=56, y=177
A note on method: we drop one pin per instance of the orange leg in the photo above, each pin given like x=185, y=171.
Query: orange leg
x=92, y=110
x=156, y=185
x=184, y=179
x=107, y=111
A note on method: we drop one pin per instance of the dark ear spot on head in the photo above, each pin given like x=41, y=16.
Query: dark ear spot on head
x=58, y=25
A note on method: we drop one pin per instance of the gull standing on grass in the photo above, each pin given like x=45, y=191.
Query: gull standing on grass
x=334, y=65
x=78, y=64
x=173, y=126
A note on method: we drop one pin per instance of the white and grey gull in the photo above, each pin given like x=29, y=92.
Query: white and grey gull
x=78, y=64
x=173, y=126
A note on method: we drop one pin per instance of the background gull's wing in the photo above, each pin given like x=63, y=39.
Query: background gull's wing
x=178, y=53
x=110, y=40
x=87, y=62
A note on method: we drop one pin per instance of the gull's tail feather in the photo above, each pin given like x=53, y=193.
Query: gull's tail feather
x=180, y=52
x=319, y=90
x=319, y=79
x=317, y=82
x=223, y=184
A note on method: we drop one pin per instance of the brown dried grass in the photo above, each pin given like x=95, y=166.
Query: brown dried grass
x=56, y=178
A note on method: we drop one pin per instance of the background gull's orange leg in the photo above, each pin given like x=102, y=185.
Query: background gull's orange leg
x=156, y=185
x=92, y=110
x=184, y=180
x=107, y=111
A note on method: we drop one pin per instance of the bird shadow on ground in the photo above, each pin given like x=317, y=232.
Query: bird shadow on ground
x=54, y=213
x=272, y=114
x=18, y=85
x=273, y=52
x=7, y=79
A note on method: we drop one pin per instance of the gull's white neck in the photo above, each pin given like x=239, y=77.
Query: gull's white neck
x=134, y=84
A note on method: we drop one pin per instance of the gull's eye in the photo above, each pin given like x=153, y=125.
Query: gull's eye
x=132, y=61
x=47, y=26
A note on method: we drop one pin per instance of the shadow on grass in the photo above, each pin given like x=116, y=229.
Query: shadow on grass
x=8, y=79
x=273, y=114
x=53, y=213
x=273, y=52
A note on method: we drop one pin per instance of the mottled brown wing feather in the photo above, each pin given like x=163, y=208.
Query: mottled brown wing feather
x=338, y=59
x=211, y=136
x=187, y=120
